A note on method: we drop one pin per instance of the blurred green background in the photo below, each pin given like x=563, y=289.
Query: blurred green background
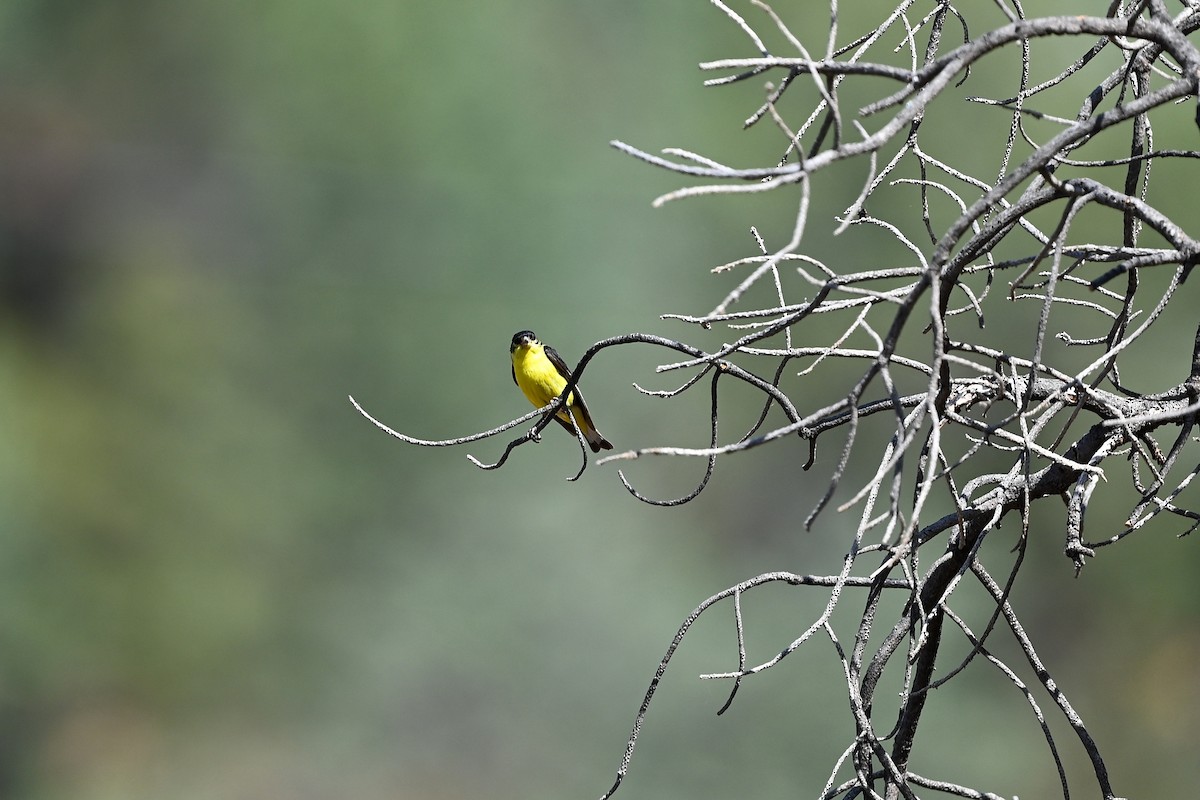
x=218, y=581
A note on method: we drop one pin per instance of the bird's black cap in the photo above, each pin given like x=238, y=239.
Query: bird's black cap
x=520, y=338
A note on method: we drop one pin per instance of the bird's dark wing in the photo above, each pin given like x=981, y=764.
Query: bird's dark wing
x=565, y=371
x=514, y=374
x=557, y=361
x=579, y=407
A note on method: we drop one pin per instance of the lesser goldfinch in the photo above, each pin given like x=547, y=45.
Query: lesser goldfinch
x=541, y=374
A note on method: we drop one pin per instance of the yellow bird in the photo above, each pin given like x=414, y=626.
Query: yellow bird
x=541, y=375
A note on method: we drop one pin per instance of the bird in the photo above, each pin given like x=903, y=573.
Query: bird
x=541, y=375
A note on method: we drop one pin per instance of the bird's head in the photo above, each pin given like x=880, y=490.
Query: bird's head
x=522, y=339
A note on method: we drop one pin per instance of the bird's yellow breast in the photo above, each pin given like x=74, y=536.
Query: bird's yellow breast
x=537, y=378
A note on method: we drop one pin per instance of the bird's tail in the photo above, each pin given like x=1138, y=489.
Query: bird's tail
x=596, y=441
x=586, y=427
